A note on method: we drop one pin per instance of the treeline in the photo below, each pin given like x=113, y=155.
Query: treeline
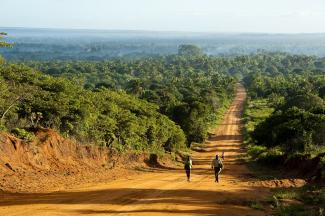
x=294, y=86
x=29, y=99
x=56, y=44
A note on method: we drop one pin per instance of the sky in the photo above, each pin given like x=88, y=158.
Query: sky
x=254, y=16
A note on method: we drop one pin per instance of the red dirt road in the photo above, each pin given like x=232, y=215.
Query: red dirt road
x=162, y=191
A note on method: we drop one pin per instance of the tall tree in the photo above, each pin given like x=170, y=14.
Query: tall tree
x=189, y=49
x=3, y=43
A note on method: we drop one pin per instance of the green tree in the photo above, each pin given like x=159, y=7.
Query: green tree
x=189, y=50
x=3, y=43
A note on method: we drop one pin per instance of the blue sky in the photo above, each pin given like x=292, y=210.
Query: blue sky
x=272, y=16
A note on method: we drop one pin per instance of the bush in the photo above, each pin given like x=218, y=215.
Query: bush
x=189, y=49
x=271, y=157
x=2, y=127
x=309, y=200
x=254, y=151
x=294, y=210
x=23, y=134
x=294, y=130
x=255, y=205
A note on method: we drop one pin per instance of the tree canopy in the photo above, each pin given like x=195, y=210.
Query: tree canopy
x=190, y=50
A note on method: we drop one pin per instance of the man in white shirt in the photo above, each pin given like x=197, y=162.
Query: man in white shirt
x=217, y=165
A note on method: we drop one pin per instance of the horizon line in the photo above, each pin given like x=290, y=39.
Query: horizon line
x=160, y=31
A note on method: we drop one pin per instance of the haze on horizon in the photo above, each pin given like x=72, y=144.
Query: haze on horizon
x=254, y=16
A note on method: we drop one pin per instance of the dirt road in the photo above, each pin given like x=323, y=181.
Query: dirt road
x=162, y=191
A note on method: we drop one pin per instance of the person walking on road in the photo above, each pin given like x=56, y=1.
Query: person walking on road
x=217, y=165
x=188, y=167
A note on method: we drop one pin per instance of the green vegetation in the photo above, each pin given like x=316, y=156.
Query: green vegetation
x=3, y=43
x=255, y=205
x=190, y=90
x=297, y=210
x=111, y=118
x=255, y=112
x=164, y=104
x=189, y=50
x=285, y=129
x=304, y=201
x=22, y=134
x=165, y=101
x=150, y=104
x=286, y=112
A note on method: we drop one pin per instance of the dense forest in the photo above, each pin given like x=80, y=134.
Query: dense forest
x=168, y=102
x=189, y=90
x=151, y=104
x=31, y=99
x=292, y=86
x=286, y=109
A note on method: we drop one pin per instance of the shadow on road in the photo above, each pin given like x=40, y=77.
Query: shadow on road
x=136, y=200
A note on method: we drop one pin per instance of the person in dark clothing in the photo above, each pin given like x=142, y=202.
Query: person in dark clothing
x=188, y=167
x=217, y=166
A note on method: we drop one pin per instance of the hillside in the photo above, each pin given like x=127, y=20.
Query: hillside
x=51, y=162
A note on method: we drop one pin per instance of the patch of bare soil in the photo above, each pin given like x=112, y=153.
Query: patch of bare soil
x=283, y=183
x=52, y=163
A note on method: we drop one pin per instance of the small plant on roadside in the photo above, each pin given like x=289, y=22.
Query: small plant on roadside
x=287, y=194
x=255, y=205
x=254, y=151
x=307, y=200
x=23, y=134
x=271, y=157
x=294, y=210
x=2, y=127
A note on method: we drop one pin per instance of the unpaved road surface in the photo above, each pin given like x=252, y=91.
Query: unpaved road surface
x=161, y=191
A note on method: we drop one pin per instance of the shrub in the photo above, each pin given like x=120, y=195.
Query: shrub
x=296, y=210
x=271, y=157
x=295, y=130
x=254, y=151
x=255, y=205
x=2, y=127
x=23, y=134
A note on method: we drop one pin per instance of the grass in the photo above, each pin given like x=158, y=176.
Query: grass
x=220, y=114
x=256, y=111
x=255, y=205
x=287, y=194
x=315, y=150
x=262, y=172
x=295, y=210
x=308, y=200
